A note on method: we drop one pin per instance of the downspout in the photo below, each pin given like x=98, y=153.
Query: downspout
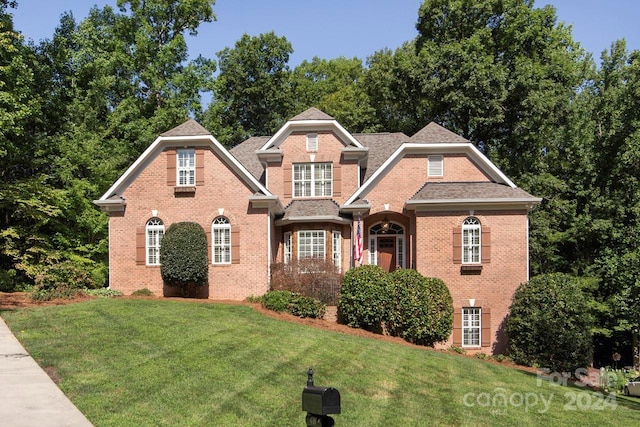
x=269, y=243
x=528, y=261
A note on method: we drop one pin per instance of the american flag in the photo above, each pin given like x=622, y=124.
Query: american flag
x=358, y=244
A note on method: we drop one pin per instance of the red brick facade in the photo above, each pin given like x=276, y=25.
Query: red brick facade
x=408, y=218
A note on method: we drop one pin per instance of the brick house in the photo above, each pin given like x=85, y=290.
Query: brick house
x=431, y=202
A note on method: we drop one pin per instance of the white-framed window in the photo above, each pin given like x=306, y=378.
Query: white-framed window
x=221, y=240
x=186, y=167
x=373, y=252
x=312, y=179
x=471, y=326
x=435, y=166
x=336, y=248
x=312, y=142
x=154, y=231
x=471, y=232
x=311, y=244
x=287, y=248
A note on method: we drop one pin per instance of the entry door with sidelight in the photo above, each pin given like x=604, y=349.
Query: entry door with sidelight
x=386, y=245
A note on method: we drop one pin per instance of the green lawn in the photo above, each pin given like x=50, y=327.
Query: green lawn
x=128, y=362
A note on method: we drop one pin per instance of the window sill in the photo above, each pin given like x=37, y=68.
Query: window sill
x=471, y=269
x=186, y=191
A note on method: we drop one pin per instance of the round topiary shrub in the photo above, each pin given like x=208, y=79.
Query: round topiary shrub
x=184, y=256
x=421, y=308
x=362, y=302
x=550, y=323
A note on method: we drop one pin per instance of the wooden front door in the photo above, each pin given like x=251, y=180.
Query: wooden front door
x=387, y=253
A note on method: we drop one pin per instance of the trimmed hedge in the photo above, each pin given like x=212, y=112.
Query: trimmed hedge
x=293, y=303
x=420, y=308
x=184, y=256
x=363, y=298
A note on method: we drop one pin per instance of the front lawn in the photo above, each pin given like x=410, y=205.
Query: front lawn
x=128, y=362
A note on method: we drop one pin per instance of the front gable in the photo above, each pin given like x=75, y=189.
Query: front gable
x=195, y=143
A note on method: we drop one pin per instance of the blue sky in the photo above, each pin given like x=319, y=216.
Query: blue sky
x=333, y=28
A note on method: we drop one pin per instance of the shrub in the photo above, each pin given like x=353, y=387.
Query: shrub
x=313, y=278
x=421, y=309
x=184, y=256
x=293, y=303
x=103, y=293
x=363, y=298
x=550, y=323
x=62, y=291
x=144, y=292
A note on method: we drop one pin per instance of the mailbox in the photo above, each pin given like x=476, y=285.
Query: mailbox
x=319, y=402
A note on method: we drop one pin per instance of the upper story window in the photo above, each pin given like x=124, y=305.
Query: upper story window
x=435, y=166
x=221, y=240
x=312, y=179
x=471, y=232
x=154, y=231
x=186, y=167
x=312, y=142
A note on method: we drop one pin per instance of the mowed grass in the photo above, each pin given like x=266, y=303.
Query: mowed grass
x=128, y=362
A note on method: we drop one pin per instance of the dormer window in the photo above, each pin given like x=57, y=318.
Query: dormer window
x=435, y=166
x=312, y=142
x=186, y=168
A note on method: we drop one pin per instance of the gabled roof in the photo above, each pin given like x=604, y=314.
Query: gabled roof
x=312, y=114
x=188, y=128
x=311, y=120
x=189, y=133
x=381, y=147
x=246, y=154
x=433, y=133
x=487, y=167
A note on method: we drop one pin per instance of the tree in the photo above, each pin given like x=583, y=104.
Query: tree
x=251, y=96
x=336, y=87
x=550, y=323
x=184, y=256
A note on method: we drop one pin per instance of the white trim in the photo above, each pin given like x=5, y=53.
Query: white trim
x=312, y=126
x=444, y=148
x=163, y=142
x=470, y=327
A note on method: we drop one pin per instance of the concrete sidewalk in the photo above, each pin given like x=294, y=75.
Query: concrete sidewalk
x=28, y=397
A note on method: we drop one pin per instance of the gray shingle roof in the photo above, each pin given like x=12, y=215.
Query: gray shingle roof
x=381, y=147
x=470, y=190
x=188, y=128
x=311, y=208
x=312, y=114
x=434, y=133
x=245, y=153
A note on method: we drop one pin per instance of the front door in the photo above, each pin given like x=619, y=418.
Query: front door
x=387, y=253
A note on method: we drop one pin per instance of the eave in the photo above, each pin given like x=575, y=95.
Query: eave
x=476, y=204
x=260, y=201
x=312, y=219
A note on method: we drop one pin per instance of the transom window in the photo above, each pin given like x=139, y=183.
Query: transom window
x=186, y=167
x=312, y=179
x=471, y=327
x=154, y=232
x=471, y=231
x=311, y=244
x=221, y=240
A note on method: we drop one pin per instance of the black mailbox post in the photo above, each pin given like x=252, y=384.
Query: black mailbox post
x=319, y=402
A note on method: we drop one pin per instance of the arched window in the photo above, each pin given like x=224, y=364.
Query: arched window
x=221, y=240
x=154, y=231
x=471, y=232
